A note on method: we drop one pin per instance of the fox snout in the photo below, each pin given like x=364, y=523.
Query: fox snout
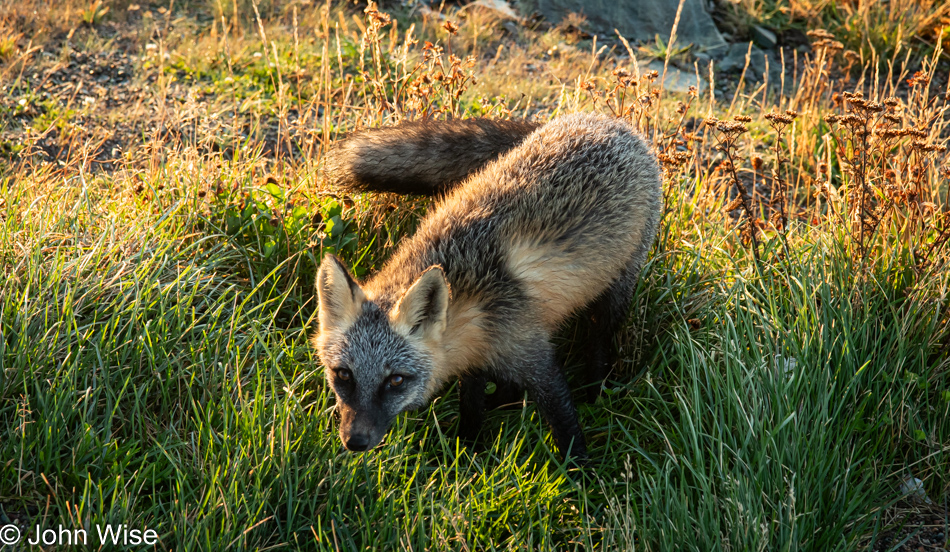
x=360, y=431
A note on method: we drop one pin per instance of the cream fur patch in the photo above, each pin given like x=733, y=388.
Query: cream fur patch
x=558, y=283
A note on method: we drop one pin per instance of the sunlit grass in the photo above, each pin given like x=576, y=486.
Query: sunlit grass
x=155, y=370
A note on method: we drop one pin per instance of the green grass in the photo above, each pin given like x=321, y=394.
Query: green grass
x=155, y=368
x=147, y=382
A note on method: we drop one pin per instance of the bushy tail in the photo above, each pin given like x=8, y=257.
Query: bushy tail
x=421, y=157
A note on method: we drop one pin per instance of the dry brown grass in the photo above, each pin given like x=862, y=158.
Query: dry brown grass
x=845, y=158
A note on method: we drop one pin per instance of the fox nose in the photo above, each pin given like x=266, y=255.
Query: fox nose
x=357, y=443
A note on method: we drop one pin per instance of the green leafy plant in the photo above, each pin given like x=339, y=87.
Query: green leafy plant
x=273, y=230
x=659, y=49
x=94, y=13
x=8, y=43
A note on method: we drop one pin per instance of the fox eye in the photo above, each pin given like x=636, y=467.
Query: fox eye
x=395, y=380
x=344, y=374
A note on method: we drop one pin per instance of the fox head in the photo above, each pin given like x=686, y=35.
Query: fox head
x=379, y=356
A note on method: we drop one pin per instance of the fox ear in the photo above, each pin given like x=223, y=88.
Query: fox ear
x=340, y=295
x=423, y=308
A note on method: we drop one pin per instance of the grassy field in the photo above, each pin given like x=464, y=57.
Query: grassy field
x=162, y=211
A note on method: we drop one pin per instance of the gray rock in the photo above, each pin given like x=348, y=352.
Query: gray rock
x=500, y=8
x=735, y=60
x=914, y=488
x=511, y=27
x=640, y=20
x=676, y=80
x=763, y=37
x=703, y=60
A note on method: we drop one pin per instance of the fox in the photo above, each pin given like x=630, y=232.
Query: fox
x=532, y=225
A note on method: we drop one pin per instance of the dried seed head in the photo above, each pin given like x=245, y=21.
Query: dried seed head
x=757, y=163
x=377, y=18
x=743, y=118
x=732, y=129
x=820, y=34
x=889, y=134
x=923, y=146
x=780, y=119
x=831, y=45
x=850, y=119
x=919, y=77
x=733, y=205
x=674, y=159
x=776, y=220
x=451, y=26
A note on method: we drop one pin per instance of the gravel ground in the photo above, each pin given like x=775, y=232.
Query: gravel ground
x=913, y=527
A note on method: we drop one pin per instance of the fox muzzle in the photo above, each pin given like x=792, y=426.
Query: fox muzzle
x=361, y=431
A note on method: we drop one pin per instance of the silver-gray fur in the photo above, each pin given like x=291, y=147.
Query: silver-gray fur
x=421, y=157
x=556, y=227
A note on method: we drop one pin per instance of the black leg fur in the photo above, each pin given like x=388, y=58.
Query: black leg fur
x=605, y=317
x=471, y=406
x=474, y=401
x=546, y=385
x=507, y=394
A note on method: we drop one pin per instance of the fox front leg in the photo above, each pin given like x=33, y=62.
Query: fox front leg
x=471, y=406
x=475, y=400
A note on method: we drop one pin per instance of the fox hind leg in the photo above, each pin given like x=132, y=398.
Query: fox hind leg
x=540, y=373
x=604, y=319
